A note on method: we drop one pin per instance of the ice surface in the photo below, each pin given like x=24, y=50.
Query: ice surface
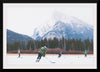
x=64, y=60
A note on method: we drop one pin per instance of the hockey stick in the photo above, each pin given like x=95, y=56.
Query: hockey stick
x=49, y=60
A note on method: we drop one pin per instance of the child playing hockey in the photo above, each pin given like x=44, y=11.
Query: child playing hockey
x=60, y=54
x=19, y=53
x=85, y=53
x=41, y=53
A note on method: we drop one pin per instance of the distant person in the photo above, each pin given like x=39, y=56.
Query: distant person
x=85, y=52
x=59, y=54
x=41, y=53
x=19, y=53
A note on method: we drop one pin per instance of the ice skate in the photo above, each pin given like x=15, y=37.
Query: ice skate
x=37, y=60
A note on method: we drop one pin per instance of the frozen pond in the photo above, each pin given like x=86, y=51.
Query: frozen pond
x=51, y=61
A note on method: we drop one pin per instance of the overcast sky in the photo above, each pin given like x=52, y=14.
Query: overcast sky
x=24, y=18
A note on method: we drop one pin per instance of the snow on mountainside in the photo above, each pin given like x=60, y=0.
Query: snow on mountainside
x=68, y=26
x=40, y=31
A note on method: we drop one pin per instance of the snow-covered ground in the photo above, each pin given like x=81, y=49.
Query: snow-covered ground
x=65, y=61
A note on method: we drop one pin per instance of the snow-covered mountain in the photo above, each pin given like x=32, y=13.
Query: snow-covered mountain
x=41, y=30
x=36, y=35
x=67, y=26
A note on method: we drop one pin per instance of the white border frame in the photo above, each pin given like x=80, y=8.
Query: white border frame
x=5, y=66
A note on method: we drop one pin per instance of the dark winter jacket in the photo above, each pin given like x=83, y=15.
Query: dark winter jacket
x=60, y=53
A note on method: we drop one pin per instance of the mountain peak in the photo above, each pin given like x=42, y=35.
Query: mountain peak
x=60, y=23
x=58, y=16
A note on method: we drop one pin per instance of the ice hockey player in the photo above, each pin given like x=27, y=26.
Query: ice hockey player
x=41, y=53
x=19, y=52
x=59, y=54
x=85, y=52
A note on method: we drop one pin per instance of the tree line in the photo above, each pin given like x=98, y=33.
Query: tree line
x=65, y=44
